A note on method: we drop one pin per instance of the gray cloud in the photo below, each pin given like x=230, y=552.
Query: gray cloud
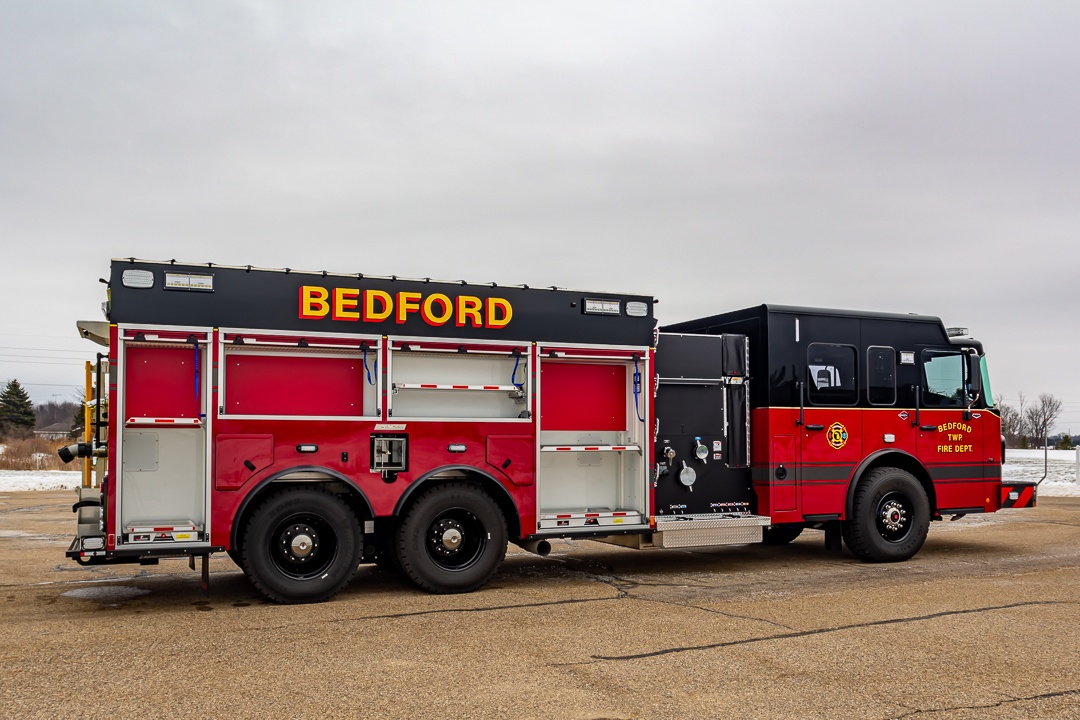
x=910, y=157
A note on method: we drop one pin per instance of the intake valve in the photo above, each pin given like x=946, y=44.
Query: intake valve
x=700, y=451
x=687, y=476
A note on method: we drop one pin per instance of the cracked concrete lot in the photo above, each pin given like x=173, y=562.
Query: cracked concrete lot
x=984, y=622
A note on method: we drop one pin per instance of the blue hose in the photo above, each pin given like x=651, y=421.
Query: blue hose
x=513, y=375
x=637, y=390
x=363, y=349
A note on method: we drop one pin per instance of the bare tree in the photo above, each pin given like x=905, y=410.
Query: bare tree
x=1042, y=414
x=1021, y=423
x=1011, y=421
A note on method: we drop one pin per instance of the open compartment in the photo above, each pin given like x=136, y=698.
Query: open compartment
x=436, y=381
x=591, y=465
x=162, y=493
x=302, y=377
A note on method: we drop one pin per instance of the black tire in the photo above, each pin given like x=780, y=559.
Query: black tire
x=301, y=545
x=452, y=540
x=781, y=534
x=234, y=555
x=890, y=516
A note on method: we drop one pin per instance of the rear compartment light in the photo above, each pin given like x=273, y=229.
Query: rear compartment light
x=93, y=543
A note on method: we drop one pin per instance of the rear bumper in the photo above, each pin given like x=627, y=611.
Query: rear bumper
x=145, y=555
x=1018, y=494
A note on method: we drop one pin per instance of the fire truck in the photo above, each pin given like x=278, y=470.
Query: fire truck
x=308, y=422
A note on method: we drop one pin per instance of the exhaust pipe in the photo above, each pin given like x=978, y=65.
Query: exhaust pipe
x=81, y=450
x=540, y=547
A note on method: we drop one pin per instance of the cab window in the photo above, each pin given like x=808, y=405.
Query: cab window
x=881, y=375
x=831, y=374
x=943, y=378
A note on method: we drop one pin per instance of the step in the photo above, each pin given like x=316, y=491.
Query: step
x=709, y=530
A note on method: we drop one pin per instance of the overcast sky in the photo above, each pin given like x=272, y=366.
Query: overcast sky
x=903, y=157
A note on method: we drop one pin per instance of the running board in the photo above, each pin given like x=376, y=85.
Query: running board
x=685, y=531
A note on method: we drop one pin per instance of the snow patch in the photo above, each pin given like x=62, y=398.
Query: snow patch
x=1060, y=471
x=19, y=480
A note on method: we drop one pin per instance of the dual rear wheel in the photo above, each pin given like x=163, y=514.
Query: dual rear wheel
x=302, y=544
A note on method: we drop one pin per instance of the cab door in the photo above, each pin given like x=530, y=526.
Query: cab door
x=831, y=441
x=950, y=430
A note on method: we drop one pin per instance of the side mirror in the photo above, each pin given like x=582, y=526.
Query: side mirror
x=974, y=373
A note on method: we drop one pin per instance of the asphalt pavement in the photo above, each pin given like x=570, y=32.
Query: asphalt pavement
x=983, y=623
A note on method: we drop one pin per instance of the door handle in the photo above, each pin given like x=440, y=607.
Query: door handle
x=928, y=428
x=815, y=427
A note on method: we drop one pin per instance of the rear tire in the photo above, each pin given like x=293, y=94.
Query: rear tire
x=452, y=540
x=301, y=545
x=890, y=516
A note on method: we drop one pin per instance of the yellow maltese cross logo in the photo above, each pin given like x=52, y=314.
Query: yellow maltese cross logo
x=837, y=435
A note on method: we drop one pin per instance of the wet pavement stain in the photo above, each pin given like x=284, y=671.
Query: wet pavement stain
x=107, y=595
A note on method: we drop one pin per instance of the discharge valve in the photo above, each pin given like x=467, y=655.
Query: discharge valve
x=687, y=476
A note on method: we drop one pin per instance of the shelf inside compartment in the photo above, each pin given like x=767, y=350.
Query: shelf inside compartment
x=591, y=448
x=444, y=386
x=589, y=517
x=597, y=476
x=164, y=531
x=457, y=386
x=162, y=479
x=162, y=422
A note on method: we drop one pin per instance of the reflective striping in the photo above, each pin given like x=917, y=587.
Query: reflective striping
x=590, y=448
x=1018, y=496
x=438, y=386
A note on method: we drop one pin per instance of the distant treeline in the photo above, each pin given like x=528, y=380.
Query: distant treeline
x=52, y=413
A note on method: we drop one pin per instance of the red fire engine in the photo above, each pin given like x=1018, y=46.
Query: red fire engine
x=306, y=422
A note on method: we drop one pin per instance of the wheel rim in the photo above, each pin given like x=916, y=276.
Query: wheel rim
x=894, y=517
x=304, y=546
x=455, y=539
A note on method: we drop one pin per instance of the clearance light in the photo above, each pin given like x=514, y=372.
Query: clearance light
x=957, y=332
x=593, y=306
x=137, y=279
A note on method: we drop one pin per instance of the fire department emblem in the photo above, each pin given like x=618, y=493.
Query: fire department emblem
x=837, y=435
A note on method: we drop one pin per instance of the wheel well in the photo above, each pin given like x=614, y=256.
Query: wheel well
x=471, y=476
x=300, y=477
x=900, y=460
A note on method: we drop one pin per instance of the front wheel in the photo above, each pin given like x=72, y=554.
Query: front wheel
x=301, y=545
x=452, y=540
x=890, y=516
